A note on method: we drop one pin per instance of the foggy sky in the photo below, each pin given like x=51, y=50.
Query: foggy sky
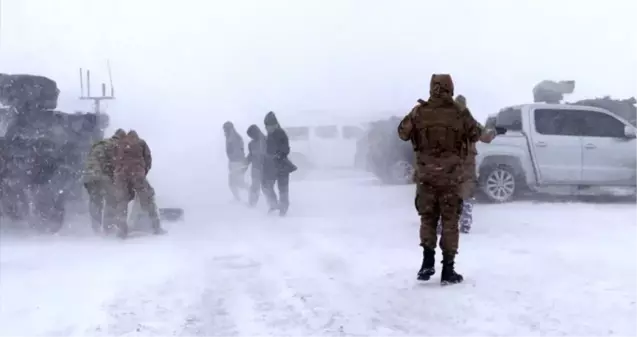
x=181, y=68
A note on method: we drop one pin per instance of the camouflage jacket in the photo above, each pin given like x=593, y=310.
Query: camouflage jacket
x=99, y=163
x=439, y=131
x=129, y=157
x=471, y=149
x=148, y=158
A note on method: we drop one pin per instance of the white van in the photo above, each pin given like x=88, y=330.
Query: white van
x=327, y=146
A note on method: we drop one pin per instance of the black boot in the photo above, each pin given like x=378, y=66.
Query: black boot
x=428, y=260
x=449, y=275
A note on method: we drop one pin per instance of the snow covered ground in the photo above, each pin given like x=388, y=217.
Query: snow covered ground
x=343, y=262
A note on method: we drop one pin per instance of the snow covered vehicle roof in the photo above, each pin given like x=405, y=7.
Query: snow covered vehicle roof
x=32, y=90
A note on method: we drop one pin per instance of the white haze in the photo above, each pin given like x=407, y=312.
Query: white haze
x=182, y=68
x=343, y=261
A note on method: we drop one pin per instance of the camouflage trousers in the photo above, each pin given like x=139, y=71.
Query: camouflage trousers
x=101, y=196
x=434, y=203
x=466, y=217
x=128, y=185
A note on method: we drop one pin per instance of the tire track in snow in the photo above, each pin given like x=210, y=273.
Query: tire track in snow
x=277, y=295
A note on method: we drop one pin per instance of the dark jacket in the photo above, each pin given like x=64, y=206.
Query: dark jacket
x=278, y=144
x=256, y=148
x=277, y=148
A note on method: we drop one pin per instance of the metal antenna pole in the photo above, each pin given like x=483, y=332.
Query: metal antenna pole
x=97, y=100
x=0, y=24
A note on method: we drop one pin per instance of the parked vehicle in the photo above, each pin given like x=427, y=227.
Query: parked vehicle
x=560, y=149
x=387, y=157
x=42, y=152
x=328, y=146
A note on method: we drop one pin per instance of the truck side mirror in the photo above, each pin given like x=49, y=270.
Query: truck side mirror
x=629, y=132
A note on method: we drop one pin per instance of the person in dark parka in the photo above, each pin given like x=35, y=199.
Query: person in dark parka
x=277, y=166
x=255, y=158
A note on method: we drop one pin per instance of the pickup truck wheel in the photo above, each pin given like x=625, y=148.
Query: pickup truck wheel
x=499, y=184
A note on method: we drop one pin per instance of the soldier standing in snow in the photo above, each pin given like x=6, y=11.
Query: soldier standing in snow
x=236, y=159
x=256, y=155
x=470, y=176
x=98, y=180
x=437, y=129
x=277, y=167
x=130, y=177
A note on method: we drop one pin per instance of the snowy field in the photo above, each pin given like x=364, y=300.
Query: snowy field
x=343, y=262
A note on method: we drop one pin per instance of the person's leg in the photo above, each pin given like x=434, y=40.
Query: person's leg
x=122, y=196
x=110, y=207
x=429, y=212
x=235, y=179
x=146, y=195
x=466, y=192
x=466, y=218
x=270, y=194
x=255, y=187
x=283, y=183
x=450, y=208
x=95, y=202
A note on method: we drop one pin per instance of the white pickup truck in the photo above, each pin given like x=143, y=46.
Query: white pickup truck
x=558, y=149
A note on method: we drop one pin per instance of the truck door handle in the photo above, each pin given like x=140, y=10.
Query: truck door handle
x=541, y=144
x=590, y=146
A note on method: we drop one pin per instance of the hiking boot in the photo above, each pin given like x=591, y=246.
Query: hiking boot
x=427, y=269
x=449, y=275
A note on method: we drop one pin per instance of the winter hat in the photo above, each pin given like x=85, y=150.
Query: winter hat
x=254, y=132
x=270, y=119
x=119, y=133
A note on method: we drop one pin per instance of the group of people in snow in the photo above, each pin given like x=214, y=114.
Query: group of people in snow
x=116, y=170
x=268, y=158
x=443, y=134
